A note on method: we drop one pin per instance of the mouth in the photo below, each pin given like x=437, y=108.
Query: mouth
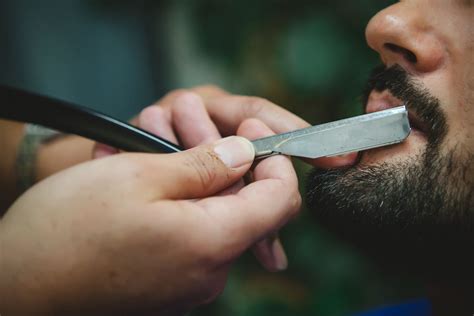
x=379, y=101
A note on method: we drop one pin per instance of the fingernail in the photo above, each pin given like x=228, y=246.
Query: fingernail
x=279, y=255
x=235, y=151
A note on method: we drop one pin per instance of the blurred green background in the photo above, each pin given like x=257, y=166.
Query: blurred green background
x=308, y=56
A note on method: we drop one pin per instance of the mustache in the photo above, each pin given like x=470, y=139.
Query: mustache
x=417, y=98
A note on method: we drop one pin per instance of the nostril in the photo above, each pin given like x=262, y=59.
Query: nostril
x=408, y=55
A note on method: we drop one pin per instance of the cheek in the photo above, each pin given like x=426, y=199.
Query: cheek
x=461, y=123
x=455, y=90
x=459, y=141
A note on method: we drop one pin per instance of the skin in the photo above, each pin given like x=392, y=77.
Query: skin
x=440, y=34
x=166, y=118
x=158, y=242
x=185, y=217
x=51, y=158
x=437, y=32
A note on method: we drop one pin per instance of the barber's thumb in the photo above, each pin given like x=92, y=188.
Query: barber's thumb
x=205, y=170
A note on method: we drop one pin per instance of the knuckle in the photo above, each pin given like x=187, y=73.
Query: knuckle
x=296, y=202
x=170, y=96
x=182, y=93
x=254, y=106
x=293, y=196
x=175, y=93
x=209, y=89
x=147, y=112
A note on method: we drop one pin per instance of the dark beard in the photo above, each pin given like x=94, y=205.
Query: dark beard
x=417, y=214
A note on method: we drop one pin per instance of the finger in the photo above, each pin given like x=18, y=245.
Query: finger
x=101, y=150
x=192, y=122
x=155, y=120
x=209, y=91
x=198, y=172
x=269, y=251
x=227, y=112
x=205, y=92
x=259, y=208
x=239, y=108
x=253, y=129
x=233, y=189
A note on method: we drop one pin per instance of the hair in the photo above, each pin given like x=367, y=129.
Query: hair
x=419, y=210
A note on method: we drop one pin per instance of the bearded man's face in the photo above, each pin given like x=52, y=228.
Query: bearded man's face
x=414, y=200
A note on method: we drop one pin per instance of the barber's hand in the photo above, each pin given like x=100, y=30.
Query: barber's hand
x=203, y=114
x=139, y=233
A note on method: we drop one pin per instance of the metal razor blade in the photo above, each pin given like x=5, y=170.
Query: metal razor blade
x=339, y=137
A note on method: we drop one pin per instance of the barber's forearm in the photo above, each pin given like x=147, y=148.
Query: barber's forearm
x=51, y=158
x=11, y=134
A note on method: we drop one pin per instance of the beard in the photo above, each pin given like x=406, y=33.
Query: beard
x=415, y=214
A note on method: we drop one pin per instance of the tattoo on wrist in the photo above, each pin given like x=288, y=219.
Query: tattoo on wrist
x=33, y=138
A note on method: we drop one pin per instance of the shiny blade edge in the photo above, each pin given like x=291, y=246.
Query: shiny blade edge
x=362, y=132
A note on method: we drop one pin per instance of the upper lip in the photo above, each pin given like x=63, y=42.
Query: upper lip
x=384, y=100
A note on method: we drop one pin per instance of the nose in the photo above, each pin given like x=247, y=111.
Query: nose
x=403, y=35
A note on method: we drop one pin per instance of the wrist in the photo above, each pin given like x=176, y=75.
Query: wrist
x=60, y=154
